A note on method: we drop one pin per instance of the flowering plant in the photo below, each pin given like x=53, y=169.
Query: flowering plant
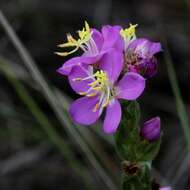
x=111, y=74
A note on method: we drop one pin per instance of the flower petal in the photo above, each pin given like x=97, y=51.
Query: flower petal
x=87, y=59
x=154, y=47
x=98, y=38
x=80, y=72
x=131, y=86
x=112, y=37
x=113, y=117
x=149, y=67
x=145, y=47
x=112, y=62
x=137, y=44
x=66, y=68
x=81, y=110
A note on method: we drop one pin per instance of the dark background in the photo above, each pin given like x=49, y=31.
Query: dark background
x=29, y=157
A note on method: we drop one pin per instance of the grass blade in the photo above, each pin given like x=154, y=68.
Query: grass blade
x=51, y=98
x=44, y=122
x=177, y=94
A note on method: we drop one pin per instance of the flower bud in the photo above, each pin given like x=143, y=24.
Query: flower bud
x=151, y=129
x=140, y=57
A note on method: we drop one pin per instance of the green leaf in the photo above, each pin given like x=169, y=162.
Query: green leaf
x=129, y=145
x=128, y=133
x=147, y=151
x=136, y=152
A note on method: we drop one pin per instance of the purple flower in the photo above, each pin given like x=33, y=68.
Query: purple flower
x=151, y=129
x=94, y=44
x=100, y=73
x=102, y=89
x=139, y=57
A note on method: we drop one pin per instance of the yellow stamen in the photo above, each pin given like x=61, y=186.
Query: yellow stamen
x=62, y=53
x=84, y=36
x=106, y=103
x=93, y=83
x=96, y=107
x=91, y=95
x=82, y=93
x=97, y=88
x=101, y=80
x=100, y=85
x=77, y=79
x=71, y=42
x=129, y=32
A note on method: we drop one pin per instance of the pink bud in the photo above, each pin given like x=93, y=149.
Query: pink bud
x=151, y=129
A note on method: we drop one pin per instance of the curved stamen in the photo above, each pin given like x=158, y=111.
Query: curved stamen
x=128, y=34
x=85, y=42
x=100, y=85
x=107, y=98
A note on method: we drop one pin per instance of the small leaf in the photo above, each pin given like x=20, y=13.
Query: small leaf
x=148, y=150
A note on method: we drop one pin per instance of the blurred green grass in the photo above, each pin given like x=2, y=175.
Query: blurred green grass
x=59, y=111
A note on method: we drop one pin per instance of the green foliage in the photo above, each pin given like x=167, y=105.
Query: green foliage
x=127, y=134
x=137, y=153
x=147, y=151
x=130, y=145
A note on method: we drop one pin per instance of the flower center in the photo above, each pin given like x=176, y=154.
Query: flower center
x=99, y=86
x=131, y=58
x=85, y=42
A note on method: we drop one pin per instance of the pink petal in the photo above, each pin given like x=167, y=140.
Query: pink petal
x=154, y=48
x=131, y=86
x=87, y=59
x=98, y=38
x=81, y=110
x=145, y=46
x=112, y=37
x=151, y=129
x=112, y=62
x=79, y=72
x=66, y=68
x=113, y=117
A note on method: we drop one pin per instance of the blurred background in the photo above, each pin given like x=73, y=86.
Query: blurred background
x=40, y=148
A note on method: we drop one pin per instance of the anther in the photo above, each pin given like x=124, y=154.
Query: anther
x=77, y=79
x=96, y=107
